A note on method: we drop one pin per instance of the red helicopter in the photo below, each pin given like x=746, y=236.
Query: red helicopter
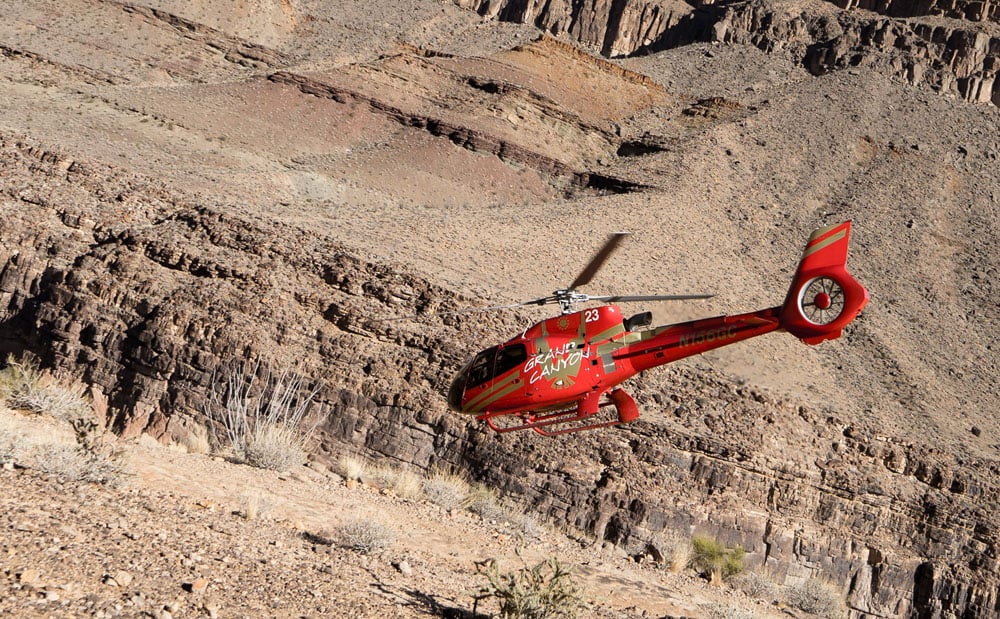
x=557, y=375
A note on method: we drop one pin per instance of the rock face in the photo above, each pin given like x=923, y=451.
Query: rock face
x=616, y=28
x=953, y=57
x=147, y=297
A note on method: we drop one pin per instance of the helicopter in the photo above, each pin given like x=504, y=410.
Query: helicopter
x=556, y=376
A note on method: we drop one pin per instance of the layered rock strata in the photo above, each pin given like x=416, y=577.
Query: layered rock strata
x=950, y=56
x=148, y=297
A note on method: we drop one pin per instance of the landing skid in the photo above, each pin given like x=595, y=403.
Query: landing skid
x=546, y=424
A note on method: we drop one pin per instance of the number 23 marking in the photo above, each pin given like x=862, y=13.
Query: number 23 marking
x=592, y=315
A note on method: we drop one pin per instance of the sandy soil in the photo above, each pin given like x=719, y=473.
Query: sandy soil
x=174, y=539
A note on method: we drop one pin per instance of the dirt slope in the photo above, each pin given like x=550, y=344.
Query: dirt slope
x=175, y=540
x=184, y=182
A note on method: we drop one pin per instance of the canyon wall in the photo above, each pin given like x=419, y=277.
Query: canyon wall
x=147, y=297
x=958, y=56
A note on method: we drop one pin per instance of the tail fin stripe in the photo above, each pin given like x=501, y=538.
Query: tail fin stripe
x=820, y=244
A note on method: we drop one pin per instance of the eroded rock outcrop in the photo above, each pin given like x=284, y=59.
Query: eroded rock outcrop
x=147, y=295
x=950, y=56
x=615, y=27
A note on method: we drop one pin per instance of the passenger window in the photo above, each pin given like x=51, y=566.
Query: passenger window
x=511, y=357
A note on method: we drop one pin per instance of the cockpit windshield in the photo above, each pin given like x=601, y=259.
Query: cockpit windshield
x=484, y=367
x=481, y=369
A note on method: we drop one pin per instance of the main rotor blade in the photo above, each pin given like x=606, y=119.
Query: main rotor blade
x=472, y=310
x=624, y=298
x=598, y=260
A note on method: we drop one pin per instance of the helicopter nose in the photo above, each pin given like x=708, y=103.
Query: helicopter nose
x=456, y=391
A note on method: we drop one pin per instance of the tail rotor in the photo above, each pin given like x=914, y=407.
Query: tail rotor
x=823, y=297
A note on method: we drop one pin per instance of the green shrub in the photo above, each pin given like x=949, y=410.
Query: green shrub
x=714, y=559
x=540, y=592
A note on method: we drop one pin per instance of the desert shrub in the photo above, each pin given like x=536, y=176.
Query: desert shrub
x=259, y=412
x=540, y=592
x=525, y=526
x=758, y=585
x=446, y=490
x=351, y=467
x=25, y=387
x=365, y=535
x=76, y=464
x=714, y=559
x=256, y=504
x=94, y=459
x=407, y=485
x=717, y=610
x=485, y=503
x=816, y=597
x=276, y=447
x=670, y=551
x=11, y=442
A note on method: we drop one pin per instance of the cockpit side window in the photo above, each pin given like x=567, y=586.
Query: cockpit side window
x=510, y=357
x=481, y=369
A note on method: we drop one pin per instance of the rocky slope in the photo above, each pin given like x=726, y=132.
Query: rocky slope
x=952, y=48
x=317, y=200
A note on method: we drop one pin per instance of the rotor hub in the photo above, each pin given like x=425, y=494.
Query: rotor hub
x=822, y=301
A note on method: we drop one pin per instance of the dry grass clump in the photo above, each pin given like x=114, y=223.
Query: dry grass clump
x=407, y=485
x=25, y=387
x=485, y=503
x=671, y=551
x=261, y=412
x=12, y=443
x=717, y=610
x=525, y=525
x=276, y=447
x=256, y=504
x=365, y=535
x=544, y=591
x=446, y=490
x=351, y=467
x=758, y=585
x=817, y=597
x=196, y=441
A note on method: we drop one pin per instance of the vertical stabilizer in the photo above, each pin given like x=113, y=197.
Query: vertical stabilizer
x=823, y=297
